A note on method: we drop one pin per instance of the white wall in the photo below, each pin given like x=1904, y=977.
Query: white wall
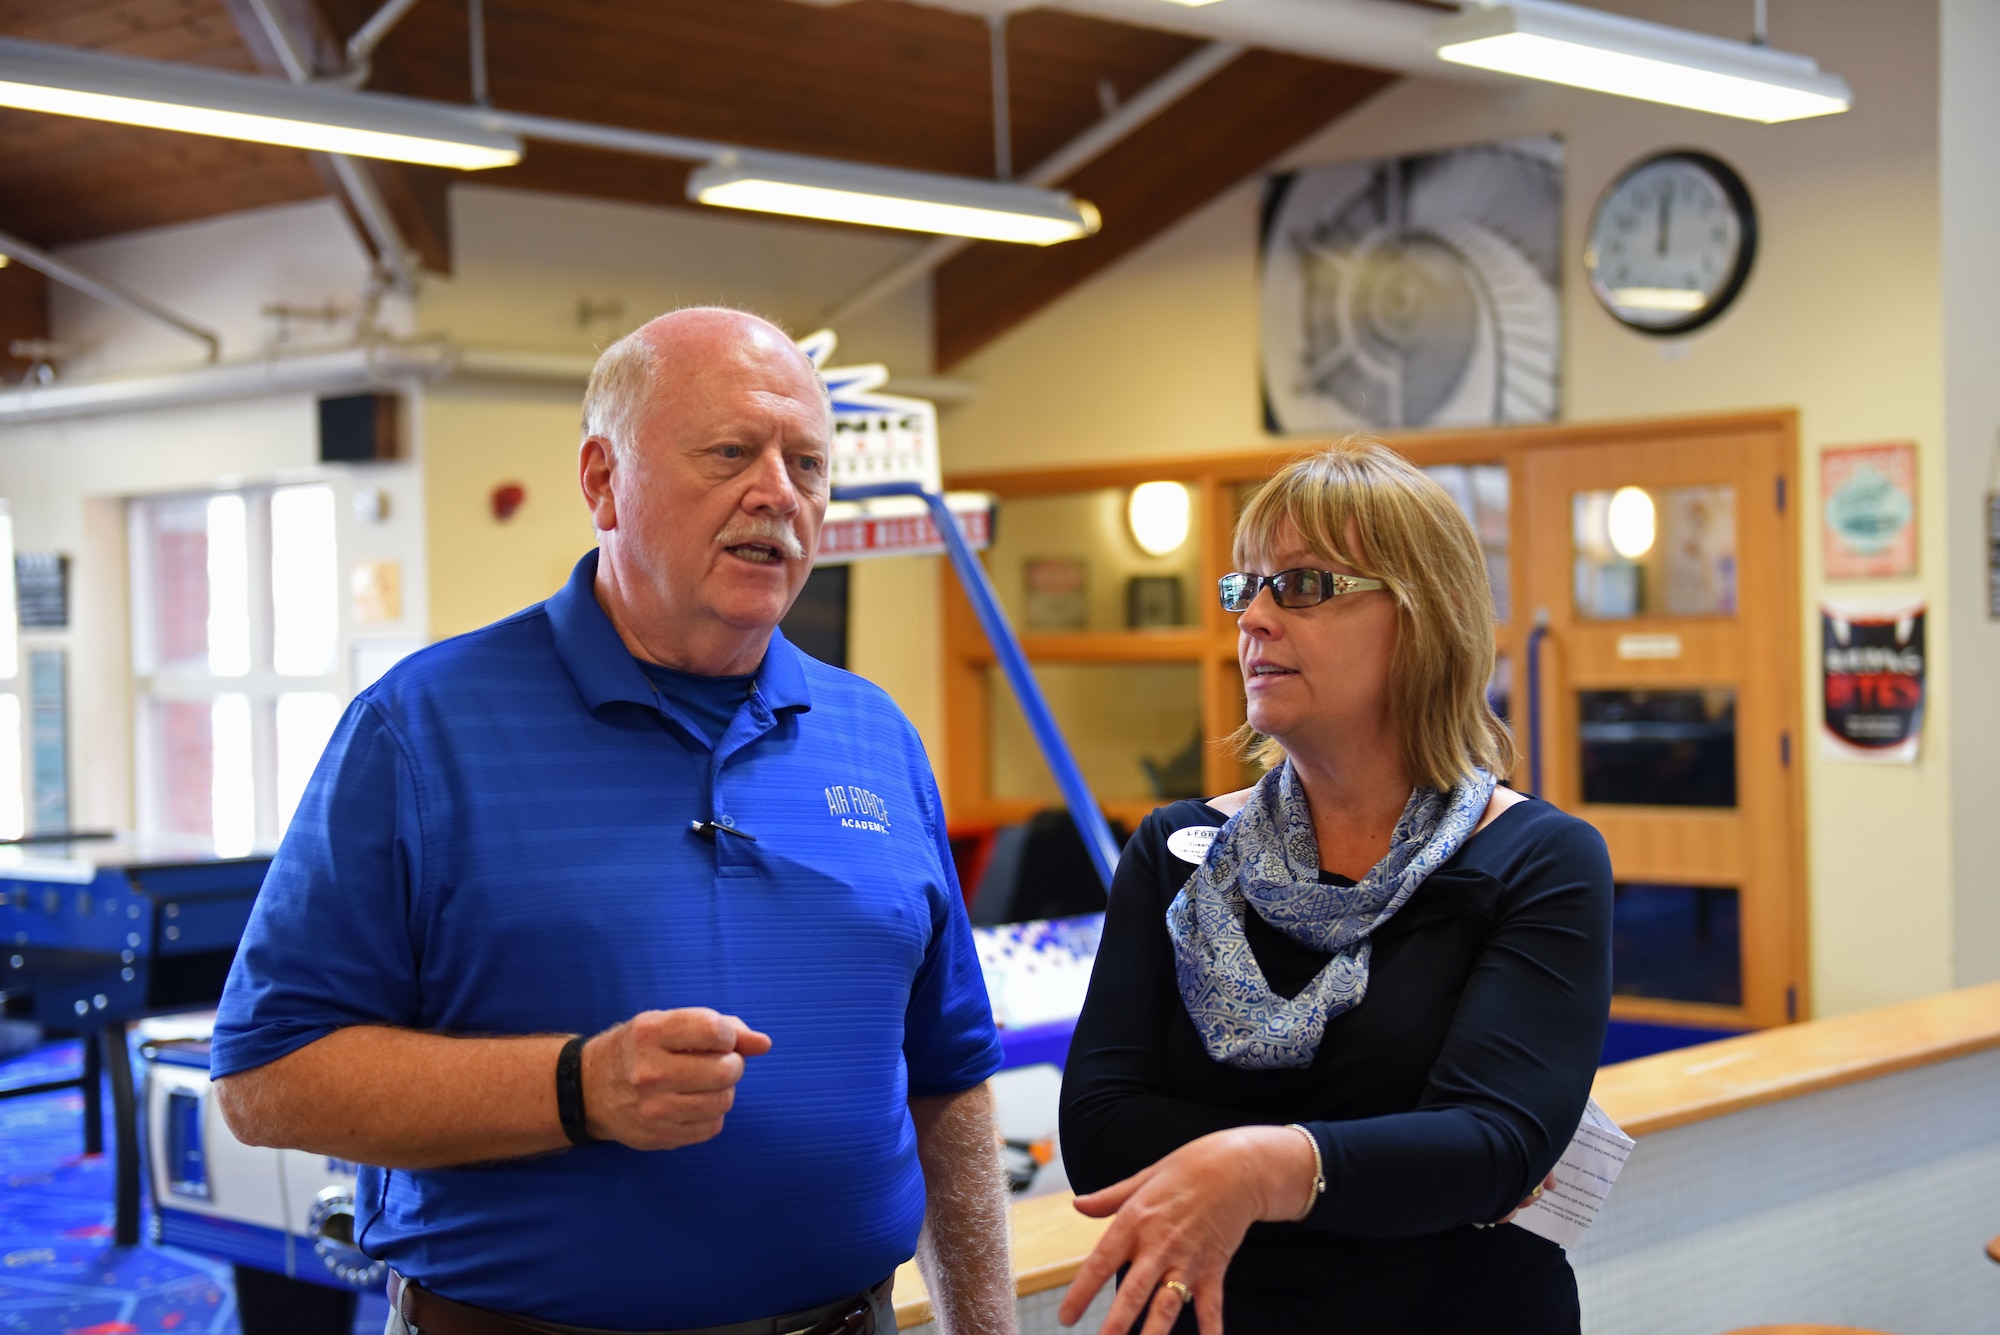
x=220, y=273
x=1842, y=317
x=1970, y=118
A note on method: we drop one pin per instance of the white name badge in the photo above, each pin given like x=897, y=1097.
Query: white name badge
x=1192, y=843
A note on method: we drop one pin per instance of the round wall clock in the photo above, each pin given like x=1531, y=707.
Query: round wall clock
x=1671, y=242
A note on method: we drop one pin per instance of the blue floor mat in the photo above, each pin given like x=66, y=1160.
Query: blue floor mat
x=60, y=1273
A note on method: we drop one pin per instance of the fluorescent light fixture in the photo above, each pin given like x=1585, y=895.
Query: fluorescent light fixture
x=1191, y=4
x=1608, y=53
x=1659, y=298
x=65, y=81
x=889, y=197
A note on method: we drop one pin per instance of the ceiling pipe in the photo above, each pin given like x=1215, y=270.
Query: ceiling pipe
x=361, y=46
x=1142, y=107
x=384, y=237
x=345, y=370
x=1382, y=34
x=106, y=291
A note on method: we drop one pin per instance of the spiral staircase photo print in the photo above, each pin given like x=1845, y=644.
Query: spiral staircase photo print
x=1414, y=292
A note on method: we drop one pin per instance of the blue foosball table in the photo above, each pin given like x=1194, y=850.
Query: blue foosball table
x=98, y=932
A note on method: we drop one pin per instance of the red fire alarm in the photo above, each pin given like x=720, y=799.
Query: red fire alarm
x=507, y=498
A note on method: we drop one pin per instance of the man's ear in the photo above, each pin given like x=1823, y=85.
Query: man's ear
x=596, y=463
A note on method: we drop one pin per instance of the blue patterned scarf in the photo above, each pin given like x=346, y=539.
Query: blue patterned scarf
x=1266, y=857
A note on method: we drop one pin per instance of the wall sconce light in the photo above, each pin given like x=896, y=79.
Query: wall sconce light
x=1157, y=514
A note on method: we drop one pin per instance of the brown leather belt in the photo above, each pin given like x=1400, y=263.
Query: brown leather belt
x=425, y=1312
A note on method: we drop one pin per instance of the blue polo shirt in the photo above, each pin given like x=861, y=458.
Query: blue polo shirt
x=497, y=842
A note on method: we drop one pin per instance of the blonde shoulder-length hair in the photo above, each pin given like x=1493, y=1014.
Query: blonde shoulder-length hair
x=1361, y=503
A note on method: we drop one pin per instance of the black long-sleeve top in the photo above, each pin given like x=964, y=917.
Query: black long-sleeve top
x=1438, y=1102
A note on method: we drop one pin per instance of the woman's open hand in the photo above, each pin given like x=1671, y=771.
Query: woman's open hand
x=1179, y=1222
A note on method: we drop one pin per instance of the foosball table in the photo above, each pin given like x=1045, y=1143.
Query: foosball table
x=98, y=932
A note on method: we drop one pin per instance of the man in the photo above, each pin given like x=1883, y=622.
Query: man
x=636, y=813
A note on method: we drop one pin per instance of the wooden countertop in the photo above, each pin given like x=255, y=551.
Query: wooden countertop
x=1643, y=1096
x=1050, y=1241
x=1675, y=1088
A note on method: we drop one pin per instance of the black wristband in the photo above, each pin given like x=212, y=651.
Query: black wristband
x=569, y=1092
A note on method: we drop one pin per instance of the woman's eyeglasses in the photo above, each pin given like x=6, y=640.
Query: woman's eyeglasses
x=1290, y=588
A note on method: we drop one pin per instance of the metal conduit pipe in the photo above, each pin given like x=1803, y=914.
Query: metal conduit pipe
x=362, y=196
x=344, y=370
x=106, y=291
x=1381, y=34
x=350, y=369
x=1142, y=107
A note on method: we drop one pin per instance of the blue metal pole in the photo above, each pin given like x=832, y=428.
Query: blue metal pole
x=1083, y=809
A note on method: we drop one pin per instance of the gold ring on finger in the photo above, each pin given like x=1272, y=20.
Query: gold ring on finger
x=1182, y=1291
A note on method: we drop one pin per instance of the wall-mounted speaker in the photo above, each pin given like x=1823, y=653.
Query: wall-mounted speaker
x=360, y=429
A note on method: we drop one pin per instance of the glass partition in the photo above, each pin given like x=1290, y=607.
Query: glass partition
x=1669, y=551
x=1135, y=729
x=1074, y=562
x=1673, y=748
x=1677, y=943
x=1481, y=490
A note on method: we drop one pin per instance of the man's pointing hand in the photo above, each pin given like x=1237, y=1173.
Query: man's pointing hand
x=664, y=1079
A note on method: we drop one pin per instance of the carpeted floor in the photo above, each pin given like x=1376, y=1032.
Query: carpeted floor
x=59, y=1272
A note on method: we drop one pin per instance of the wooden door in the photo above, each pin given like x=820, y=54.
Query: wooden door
x=1660, y=572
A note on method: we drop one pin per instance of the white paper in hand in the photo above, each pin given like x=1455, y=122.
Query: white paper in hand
x=1583, y=1179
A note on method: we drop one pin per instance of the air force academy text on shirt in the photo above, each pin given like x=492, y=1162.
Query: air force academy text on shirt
x=857, y=808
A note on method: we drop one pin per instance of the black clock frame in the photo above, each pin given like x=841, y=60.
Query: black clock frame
x=1746, y=211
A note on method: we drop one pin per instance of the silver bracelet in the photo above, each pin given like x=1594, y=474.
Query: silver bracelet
x=1319, y=1171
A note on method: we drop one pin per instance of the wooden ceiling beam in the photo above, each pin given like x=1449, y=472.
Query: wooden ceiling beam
x=24, y=313
x=415, y=196
x=1238, y=121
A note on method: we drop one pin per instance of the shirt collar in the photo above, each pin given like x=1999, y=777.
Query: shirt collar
x=605, y=671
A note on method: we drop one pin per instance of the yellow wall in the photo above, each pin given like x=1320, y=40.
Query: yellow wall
x=1841, y=318
x=476, y=439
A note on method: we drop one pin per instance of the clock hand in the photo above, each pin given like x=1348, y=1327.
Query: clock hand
x=1666, y=212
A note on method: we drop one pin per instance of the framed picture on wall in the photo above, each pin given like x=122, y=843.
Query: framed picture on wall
x=1058, y=589
x=1419, y=291
x=1152, y=602
x=1869, y=510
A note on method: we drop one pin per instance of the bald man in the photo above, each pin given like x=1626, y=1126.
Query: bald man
x=623, y=938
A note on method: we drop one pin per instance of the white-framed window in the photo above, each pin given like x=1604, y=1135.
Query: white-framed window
x=235, y=656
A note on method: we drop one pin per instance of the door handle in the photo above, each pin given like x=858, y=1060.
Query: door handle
x=1536, y=634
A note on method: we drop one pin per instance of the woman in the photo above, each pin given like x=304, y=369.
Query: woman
x=1324, y=1052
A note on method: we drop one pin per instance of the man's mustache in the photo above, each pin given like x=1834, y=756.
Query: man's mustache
x=742, y=531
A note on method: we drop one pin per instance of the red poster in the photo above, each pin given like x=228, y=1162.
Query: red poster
x=1872, y=672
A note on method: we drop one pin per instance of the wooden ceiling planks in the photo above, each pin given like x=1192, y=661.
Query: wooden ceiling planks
x=871, y=81
x=1253, y=110
x=63, y=179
